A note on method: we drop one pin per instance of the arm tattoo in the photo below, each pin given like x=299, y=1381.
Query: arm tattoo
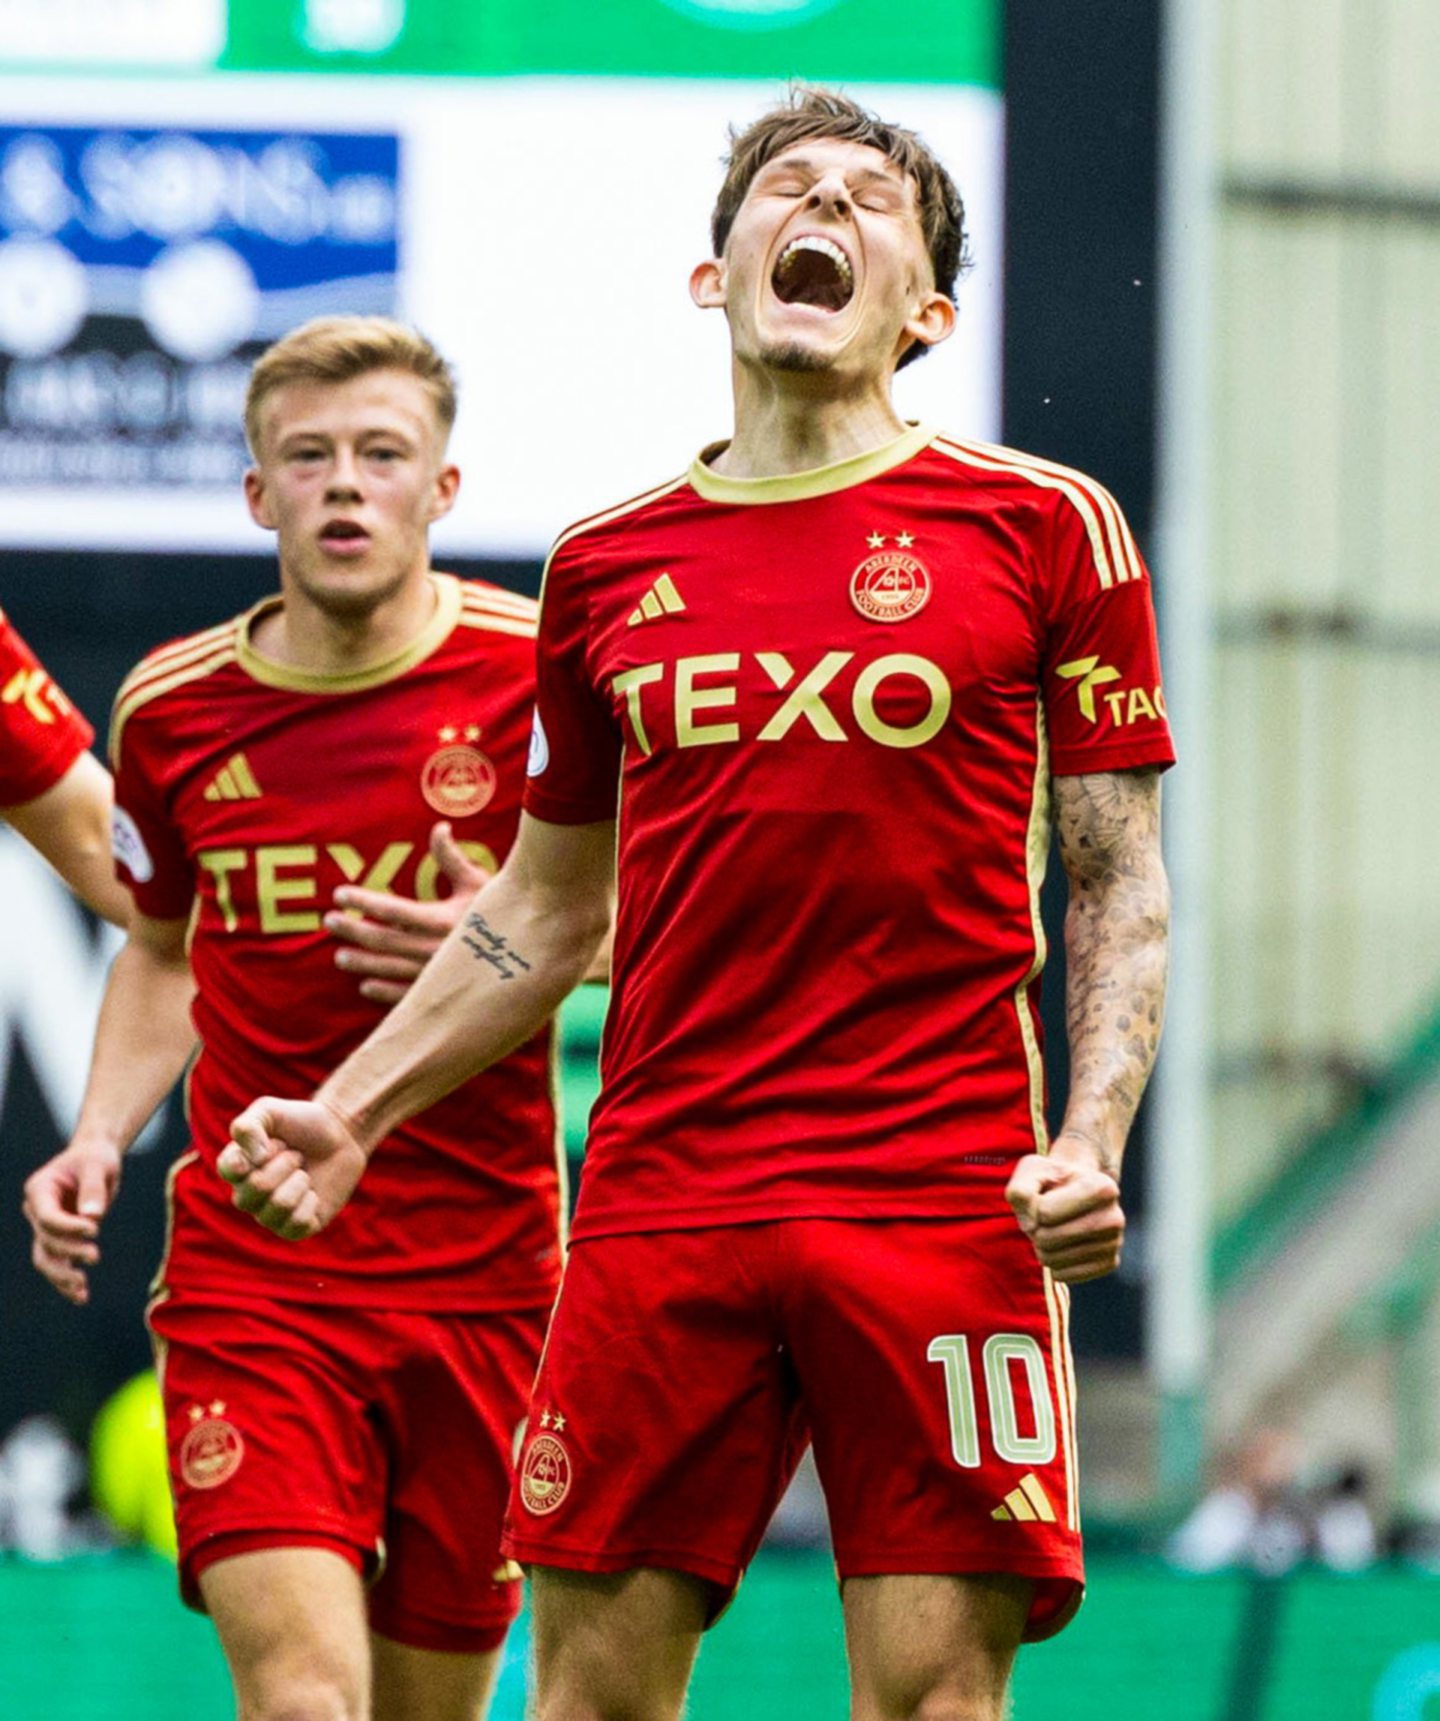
x=1116, y=930
x=493, y=947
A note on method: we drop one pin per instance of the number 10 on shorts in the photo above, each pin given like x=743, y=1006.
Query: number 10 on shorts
x=952, y=1352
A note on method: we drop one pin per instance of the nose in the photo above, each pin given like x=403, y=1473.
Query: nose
x=344, y=476
x=832, y=195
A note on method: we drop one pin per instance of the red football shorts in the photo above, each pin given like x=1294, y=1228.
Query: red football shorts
x=928, y=1360
x=386, y=1437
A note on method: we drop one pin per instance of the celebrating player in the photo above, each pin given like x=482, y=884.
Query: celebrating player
x=53, y=791
x=843, y=672
x=340, y=1414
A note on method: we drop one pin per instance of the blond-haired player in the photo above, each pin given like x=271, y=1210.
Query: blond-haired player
x=340, y=1416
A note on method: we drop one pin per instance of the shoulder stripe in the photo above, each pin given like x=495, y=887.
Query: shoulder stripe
x=593, y=521
x=472, y=593
x=1116, y=558
x=128, y=703
x=1109, y=507
x=171, y=657
x=603, y=519
x=614, y=513
x=517, y=625
x=484, y=606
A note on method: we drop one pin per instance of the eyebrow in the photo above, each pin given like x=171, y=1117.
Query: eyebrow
x=890, y=174
x=374, y=430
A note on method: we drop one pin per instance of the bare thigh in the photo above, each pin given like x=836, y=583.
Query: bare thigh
x=292, y=1625
x=935, y=1647
x=615, y=1647
x=429, y=1684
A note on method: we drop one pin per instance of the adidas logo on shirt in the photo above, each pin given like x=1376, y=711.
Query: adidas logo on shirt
x=661, y=599
x=1027, y=1504
x=234, y=781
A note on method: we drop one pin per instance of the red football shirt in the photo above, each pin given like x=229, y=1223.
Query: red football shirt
x=41, y=732
x=833, y=703
x=246, y=793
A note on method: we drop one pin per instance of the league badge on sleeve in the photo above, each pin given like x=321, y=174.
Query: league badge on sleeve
x=128, y=846
x=539, y=749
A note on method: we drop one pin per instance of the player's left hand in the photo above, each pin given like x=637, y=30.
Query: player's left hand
x=1070, y=1210
x=386, y=940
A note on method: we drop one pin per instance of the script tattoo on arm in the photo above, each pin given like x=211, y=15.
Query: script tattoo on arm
x=1116, y=937
x=488, y=945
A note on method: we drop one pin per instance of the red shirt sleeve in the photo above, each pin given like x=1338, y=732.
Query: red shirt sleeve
x=150, y=857
x=1103, y=692
x=41, y=732
x=575, y=750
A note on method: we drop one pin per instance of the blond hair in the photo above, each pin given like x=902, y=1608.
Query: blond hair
x=336, y=349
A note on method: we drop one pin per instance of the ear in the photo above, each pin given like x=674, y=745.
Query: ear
x=442, y=497
x=932, y=321
x=256, y=499
x=707, y=284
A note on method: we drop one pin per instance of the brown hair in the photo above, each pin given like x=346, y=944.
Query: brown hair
x=814, y=112
x=336, y=349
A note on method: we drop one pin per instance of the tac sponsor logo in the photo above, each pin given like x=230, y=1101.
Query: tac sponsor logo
x=1125, y=705
x=37, y=694
x=212, y=1449
x=891, y=586
x=545, y=1475
x=458, y=779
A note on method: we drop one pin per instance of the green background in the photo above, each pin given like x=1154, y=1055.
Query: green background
x=874, y=41
x=106, y=1637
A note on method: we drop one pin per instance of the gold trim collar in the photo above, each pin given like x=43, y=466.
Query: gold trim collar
x=271, y=674
x=818, y=481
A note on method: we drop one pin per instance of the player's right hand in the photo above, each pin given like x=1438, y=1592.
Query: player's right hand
x=65, y=1200
x=293, y=1163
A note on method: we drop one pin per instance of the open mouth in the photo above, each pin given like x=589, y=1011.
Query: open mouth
x=813, y=271
x=343, y=532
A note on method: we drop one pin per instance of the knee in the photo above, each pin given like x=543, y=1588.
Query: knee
x=312, y=1696
x=954, y=1706
x=609, y=1701
x=934, y=1704
x=562, y=1707
x=945, y=1708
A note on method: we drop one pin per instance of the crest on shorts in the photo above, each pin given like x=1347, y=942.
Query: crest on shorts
x=458, y=779
x=891, y=585
x=212, y=1449
x=545, y=1475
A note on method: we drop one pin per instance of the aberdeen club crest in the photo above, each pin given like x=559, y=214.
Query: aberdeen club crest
x=544, y=1475
x=212, y=1448
x=458, y=779
x=891, y=585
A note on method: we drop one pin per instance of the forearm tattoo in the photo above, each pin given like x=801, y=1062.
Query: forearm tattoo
x=488, y=945
x=1116, y=933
